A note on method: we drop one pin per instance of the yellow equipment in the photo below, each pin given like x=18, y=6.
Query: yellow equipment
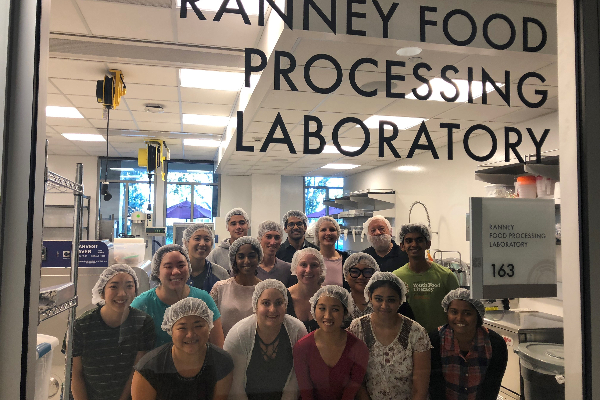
x=155, y=154
x=110, y=90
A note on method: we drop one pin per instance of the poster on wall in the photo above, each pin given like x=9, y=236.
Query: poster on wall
x=513, y=248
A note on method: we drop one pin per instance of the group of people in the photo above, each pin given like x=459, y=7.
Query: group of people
x=255, y=318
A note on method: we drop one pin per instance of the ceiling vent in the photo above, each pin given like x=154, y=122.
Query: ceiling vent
x=148, y=3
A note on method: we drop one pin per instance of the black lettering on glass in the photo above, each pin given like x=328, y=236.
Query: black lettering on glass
x=468, y=134
x=416, y=146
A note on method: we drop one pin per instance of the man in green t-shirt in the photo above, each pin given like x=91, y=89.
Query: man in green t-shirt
x=427, y=282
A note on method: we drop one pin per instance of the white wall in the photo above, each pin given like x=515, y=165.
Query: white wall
x=263, y=197
x=65, y=166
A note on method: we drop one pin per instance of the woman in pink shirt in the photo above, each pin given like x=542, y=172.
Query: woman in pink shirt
x=327, y=234
x=330, y=363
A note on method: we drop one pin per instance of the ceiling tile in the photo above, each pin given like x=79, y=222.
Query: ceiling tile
x=152, y=93
x=192, y=95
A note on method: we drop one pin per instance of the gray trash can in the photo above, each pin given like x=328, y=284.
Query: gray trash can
x=542, y=370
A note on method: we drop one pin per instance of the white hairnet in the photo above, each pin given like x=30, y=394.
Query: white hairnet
x=183, y=308
x=386, y=276
x=190, y=230
x=236, y=211
x=268, y=284
x=359, y=258
x=269, y=226
x=235, y=246
x=335, y=291
x=463, y=294
x=160, y=253
x=373, y=218
x=294, y=213
x=414, y=228
x=299, y=255
x=317, y=227
x=107, y=275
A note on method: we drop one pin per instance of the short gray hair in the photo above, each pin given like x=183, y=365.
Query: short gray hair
x=269, y=226
x=374, y=218
x=414, y=228
x=318, y=226
x=294, y=213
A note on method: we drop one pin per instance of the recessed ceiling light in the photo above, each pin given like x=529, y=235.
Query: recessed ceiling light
x=122, y=169
x=438, y=85
x=62, y=112
x=409, y=168
x=340, y=166
x=250, y=6
x=206, y=120
x=154, y=108
x=409, y=51
x=84, y=137
x=402, y=123
x=201, y=142
x=332, y=149
x=215, y=80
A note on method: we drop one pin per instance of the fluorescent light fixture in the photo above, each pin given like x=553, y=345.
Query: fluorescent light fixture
x=62, y=112
x=409, y=168
x=332, y=149
x=402, y=123
x=438, y=85
x=205, y=120
x=84, y=137
x=122, y=169
x=250, y=6
x=215, y=80
x=340, y=166
x=201, y=142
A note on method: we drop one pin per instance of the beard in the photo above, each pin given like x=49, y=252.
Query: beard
x=381, y=242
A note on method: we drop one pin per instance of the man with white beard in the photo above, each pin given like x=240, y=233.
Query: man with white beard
x=384, y=250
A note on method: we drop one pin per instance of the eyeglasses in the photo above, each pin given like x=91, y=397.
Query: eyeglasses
x=367, y=272
x=299, y=224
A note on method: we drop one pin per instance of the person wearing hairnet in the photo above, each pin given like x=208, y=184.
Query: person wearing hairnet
x=295, y=224
x=198, y=240
x=399, y=355
x=188, y=368
x=237, y=223
x=467, y=360
x=309, y=268
x=358, y=269
x=233, y=296
x=327, y=233
x=261, y=346
x=171, y=269
x=109, y=339
x=330, y=363
x=271, y=267
x=388, y=255
x=427, y=281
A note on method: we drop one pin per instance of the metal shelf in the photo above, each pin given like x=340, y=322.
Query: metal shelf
x=506, y=174
x=51, y=312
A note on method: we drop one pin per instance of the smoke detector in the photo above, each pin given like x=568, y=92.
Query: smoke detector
x=154, y=108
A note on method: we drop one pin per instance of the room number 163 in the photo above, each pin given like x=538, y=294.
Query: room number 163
x=502, y=270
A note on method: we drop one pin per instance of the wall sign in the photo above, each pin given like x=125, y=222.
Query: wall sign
x=92, y=253
x=513, y=248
